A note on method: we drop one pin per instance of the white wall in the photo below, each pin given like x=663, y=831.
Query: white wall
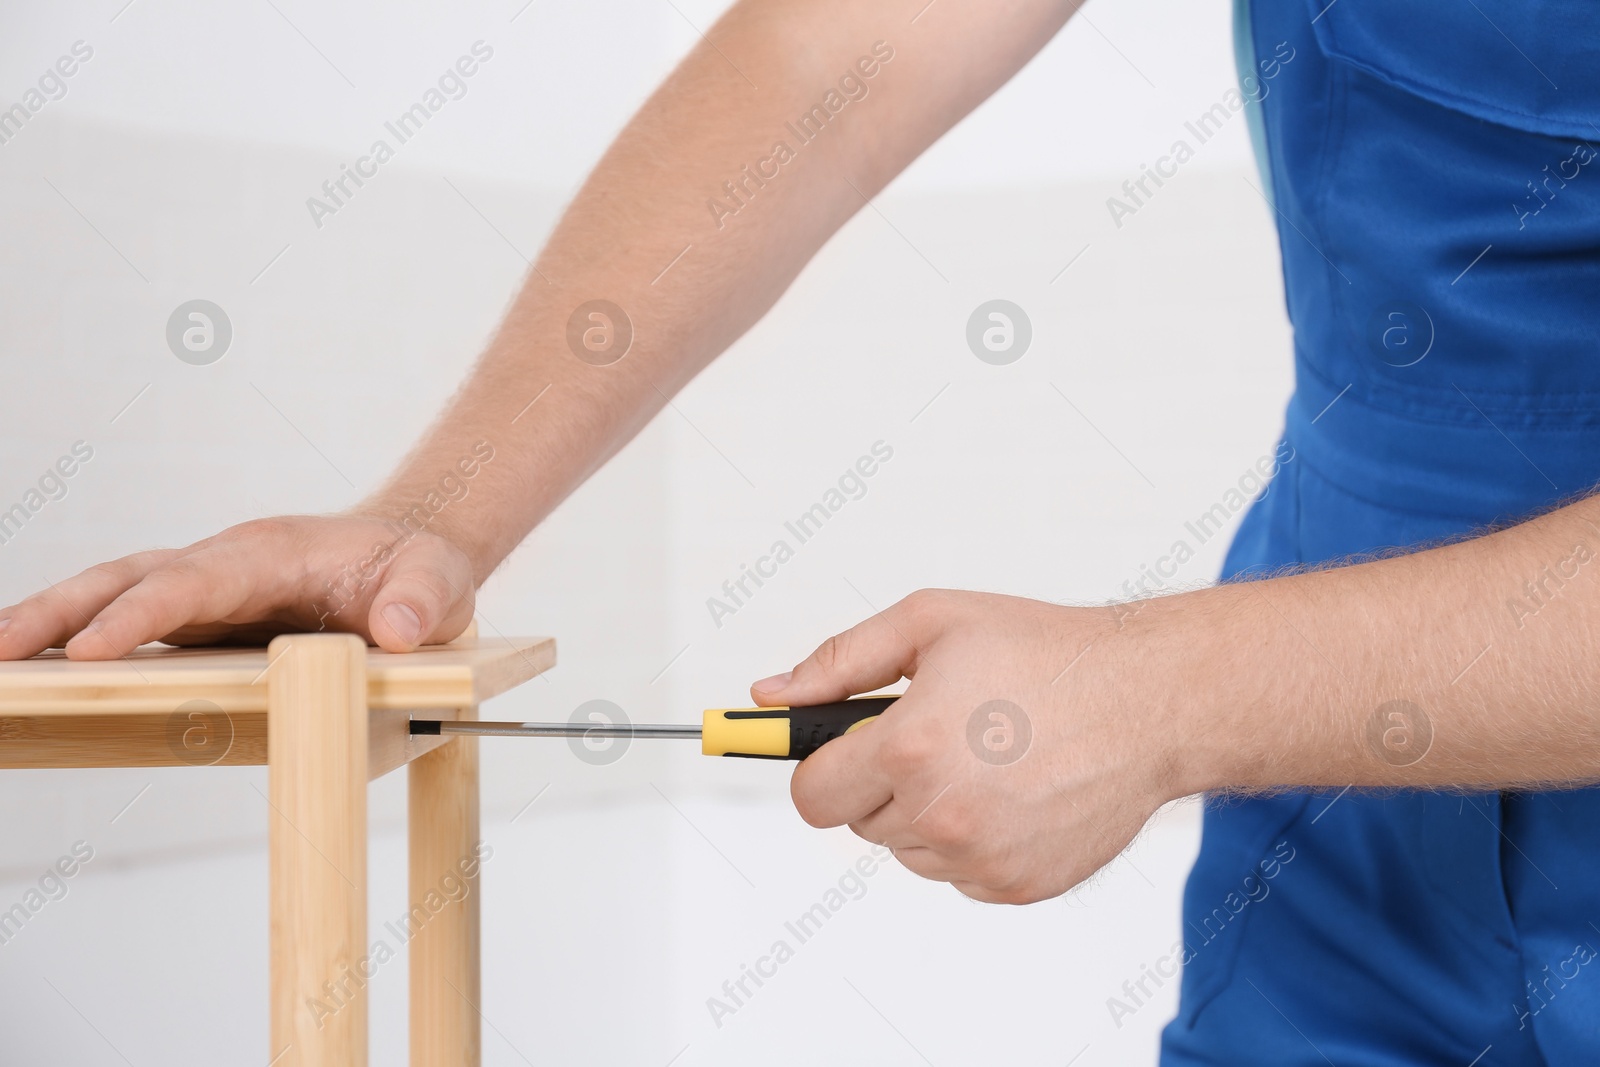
x=1109, y=93
x=177, y=167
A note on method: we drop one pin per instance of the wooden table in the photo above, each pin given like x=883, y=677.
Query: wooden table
x=326, y=714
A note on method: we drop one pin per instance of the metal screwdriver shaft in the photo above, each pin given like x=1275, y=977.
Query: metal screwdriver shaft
x=759, y=733
x=553, y=729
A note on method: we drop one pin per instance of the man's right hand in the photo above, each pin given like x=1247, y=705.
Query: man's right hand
x=395, y=587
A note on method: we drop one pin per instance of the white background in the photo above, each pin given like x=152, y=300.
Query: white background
x=178, y=166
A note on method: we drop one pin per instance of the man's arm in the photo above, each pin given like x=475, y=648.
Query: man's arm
x=1473, y=666
x=852, y=92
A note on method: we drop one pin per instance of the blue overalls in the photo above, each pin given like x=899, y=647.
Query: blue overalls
x=1436, y=169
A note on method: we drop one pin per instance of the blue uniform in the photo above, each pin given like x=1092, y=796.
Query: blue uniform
x=1436, y=169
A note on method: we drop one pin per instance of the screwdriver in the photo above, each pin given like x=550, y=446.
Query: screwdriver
x=757, y=733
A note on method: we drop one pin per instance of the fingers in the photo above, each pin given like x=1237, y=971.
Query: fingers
x=868, y=656
x=844, y=780
x=426, y=597
x=910, y=820
x=927, y=863
x=985, y=895
x=938, y=866
x=51, y=617
x=254, y=580
x=219, y=581
x=881, y=779
x=852, y=776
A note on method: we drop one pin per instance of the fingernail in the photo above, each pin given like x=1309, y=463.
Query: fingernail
x=405, y=622
x=774, y=684
x=4, y=623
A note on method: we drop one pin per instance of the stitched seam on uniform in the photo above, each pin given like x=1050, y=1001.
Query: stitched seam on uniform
x=1465, y=105
x=1453, y=413
x=1327, y=33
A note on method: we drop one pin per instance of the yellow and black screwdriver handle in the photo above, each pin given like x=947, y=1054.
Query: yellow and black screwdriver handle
x=784, y=732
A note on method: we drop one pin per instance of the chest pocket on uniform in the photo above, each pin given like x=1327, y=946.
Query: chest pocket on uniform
x=1530, y=64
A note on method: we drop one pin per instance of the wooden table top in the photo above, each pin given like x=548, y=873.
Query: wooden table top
x=157, y=678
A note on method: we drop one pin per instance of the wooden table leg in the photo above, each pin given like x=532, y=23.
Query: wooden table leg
x=317, y=847
x=446, y=853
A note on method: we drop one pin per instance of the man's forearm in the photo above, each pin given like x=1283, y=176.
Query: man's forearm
x=693, y=262
x=1474, y=665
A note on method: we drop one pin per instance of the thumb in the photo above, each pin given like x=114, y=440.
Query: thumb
x=426, y=598
x=868, y=656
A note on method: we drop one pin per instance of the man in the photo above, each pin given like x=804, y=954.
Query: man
x=1441, y=246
